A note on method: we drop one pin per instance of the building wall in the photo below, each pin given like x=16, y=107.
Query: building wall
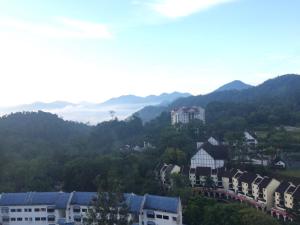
x=288, y=200
x=203, y=159
x=268, y=193
x=255, y=191
x=225, y=183
x=235, y=184
x=160, y=218
x=29, y=214
x=180, y=116
x=245, y=188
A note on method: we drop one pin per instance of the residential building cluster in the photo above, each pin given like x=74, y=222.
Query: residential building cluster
x=185, y=115
x=60, y=208
x=208, y=174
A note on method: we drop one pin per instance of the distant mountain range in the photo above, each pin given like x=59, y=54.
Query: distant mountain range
x=282, y=89
x=124, y=106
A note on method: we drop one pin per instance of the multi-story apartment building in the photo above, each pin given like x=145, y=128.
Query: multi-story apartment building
x=59, y=208
x=187, y=114
x=33, y=208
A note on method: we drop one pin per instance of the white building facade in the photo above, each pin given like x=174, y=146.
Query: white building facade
x=209, y=156
x=187, y=114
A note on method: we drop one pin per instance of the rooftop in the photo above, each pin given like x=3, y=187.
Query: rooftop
x=216, y=151
x=265, y=182
x=282, y=187
x=161, y=203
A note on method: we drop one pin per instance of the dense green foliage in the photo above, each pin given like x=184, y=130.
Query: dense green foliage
x=203, y=211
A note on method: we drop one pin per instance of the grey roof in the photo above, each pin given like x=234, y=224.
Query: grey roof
x=282, y=187
x=203, y=171
x=216, y=151
x=265, y=182
x=58, y=199
x=247, y=177
x=160, y=203
x=296, y=194
x=291, y=189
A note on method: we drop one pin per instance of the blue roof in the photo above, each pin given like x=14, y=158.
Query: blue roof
x=134, y=202
x=166, y=204
x=83, y=198
x=58, y=199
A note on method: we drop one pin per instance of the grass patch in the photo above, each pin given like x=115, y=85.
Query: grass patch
x=290, y=173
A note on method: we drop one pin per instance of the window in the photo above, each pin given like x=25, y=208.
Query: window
x=19, y=219
x=19, y=210
x=12, y=210
x=37, y=218
x=174, y=218
x=43, y=218
x=36, y=209
x=165, y=217
x=26, y=218
x=84, y=210
x=77, y=219
x=43, y=209
x=50, y=210
x=51, y=218
x=150, y=214
x=76, y=209
x=4, y=210
x=12, y=219
x=5, y=219
x=158, y=216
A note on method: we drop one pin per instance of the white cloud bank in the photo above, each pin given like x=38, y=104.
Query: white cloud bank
x=64, y=28
x=180, y=8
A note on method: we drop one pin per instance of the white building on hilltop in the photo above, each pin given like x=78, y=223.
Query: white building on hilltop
x=187, y=114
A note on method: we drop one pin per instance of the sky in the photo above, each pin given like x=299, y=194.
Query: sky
x=78, y=50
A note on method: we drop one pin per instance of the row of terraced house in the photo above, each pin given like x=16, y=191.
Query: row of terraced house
x=207, y=174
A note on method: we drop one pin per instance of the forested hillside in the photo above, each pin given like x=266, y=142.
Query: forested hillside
x=39, y=151
x=278, y=95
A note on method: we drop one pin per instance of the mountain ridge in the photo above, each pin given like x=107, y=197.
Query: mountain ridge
x=234, y=85
x=282, y=88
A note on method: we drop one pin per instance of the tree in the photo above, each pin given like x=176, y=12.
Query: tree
x=251, y=216
x=108, y=209
x=174, y=156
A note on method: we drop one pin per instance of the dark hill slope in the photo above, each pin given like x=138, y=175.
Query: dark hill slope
x=281, y=89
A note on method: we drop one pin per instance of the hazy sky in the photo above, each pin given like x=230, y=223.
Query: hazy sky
x=79, y=50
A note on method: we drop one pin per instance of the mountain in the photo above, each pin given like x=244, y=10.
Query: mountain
x=151, y=99
x=234, y=85
x=283, y=89
x=94, y=113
